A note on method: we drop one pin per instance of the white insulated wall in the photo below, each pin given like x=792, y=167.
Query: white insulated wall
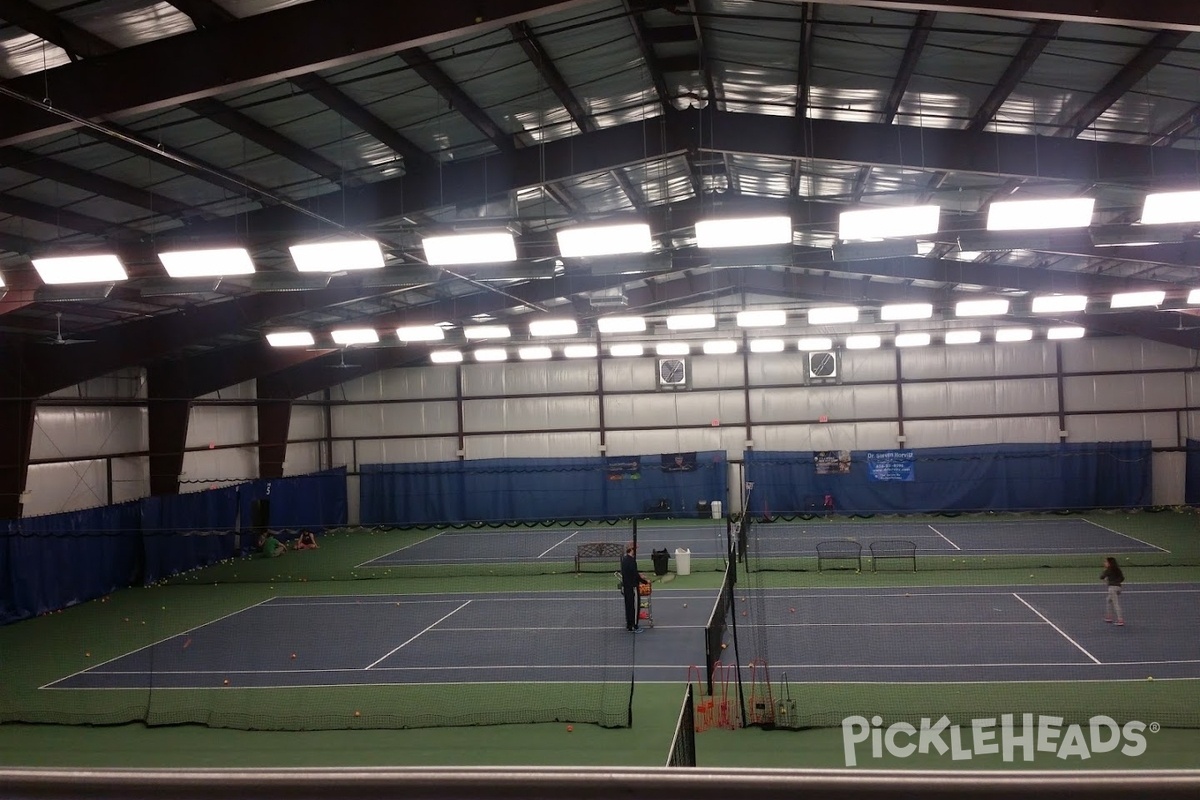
x=1111, y=390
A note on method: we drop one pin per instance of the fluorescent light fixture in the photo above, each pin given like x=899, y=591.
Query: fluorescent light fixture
x=487, y=332
x=1029, y=215
x=604, y=240
x=1137, y=299
x=290, y=339
x=906, y=311
x=626, y=350
x=888, y=223
x=446, y=357
x=1066, y=332
x=491, y=354
x=981, y=308
x=553, y=327
x=963, y=337
x=763, y=318
x=621, y=324
x=207, y=263
x=813, y=343
x=912, y=339
x=1013, y=335
x=832, y=315
x=863, y=341
x=1058, y=303
x=1163, y=208
x=342, y=256
x=766, y=345
x=744, y=232
x=721, y=347
x=80, y=269
x=1193, y=297
x=534, y=353
x=691, y=322
x=672, y=348
x=470, y=248
x=420, y=333
x=355, y=336
x=580, y=351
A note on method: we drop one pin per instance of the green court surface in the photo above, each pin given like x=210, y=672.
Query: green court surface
x=45, y=649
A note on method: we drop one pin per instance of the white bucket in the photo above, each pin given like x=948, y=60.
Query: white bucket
x=716, y=509
x=683, y=561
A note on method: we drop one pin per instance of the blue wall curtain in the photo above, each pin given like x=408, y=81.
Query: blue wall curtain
x=1009, y=477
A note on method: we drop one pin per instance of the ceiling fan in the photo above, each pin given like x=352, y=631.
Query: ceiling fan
x=57, y=338
x=342, y=361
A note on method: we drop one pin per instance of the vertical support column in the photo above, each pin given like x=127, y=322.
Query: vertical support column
x=901, y=438
x=168, y=425
x=16, y=438
x=1062, y=402
x=274, y=421
x=458, y=402
x=168, y=409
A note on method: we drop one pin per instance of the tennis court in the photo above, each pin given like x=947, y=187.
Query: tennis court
x=554, y=546
x=981, y=633
x=949, y=537
x=380, y=639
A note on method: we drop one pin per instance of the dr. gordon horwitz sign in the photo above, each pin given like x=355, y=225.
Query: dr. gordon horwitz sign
x=1023, y=741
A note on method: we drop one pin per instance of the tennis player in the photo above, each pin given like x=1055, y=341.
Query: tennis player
x=630, y=578
x=1113, y=576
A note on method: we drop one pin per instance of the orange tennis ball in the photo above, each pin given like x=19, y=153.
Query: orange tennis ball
x=570, y=728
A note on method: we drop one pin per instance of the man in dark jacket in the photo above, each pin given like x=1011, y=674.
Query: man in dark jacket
x=630, y=579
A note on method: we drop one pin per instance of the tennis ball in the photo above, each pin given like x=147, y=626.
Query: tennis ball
x=88, y=654
x=906, y=594
x=293, y=655
x=1149, y=677
x=792, y=610
x=227, y=681
x=723, y=645
x=570, y=728
x=358, y=713
x=685, y=605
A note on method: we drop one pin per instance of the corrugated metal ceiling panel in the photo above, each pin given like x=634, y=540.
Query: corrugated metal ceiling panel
x=23, y=53
x=123, y=23
x=754, y=53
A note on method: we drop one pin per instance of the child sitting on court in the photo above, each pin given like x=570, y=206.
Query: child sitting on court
x=307, y=541
x=272, y=547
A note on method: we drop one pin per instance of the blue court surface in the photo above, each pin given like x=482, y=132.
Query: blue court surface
x=553, y=545
x=951, y=538
x=932, y=634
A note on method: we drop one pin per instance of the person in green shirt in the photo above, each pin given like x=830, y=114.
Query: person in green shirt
x=272, y=547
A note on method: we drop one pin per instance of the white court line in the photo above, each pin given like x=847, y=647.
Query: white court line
x=96, y=667
x=1061, y=633
x=414, y=638
x=556, y=544
x=882, y=624
x=369, y=561
x=1127, y=536
x=939, y=533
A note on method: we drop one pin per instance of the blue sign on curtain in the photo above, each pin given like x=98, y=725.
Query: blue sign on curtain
x=890, y=465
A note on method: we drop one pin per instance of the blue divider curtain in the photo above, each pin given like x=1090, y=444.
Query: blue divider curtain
x=1003, y=477
x=537, y=489
x=54, y=561
x=1191, y=490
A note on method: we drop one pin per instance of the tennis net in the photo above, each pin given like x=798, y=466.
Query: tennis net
x=718, y=621
x=683, y=743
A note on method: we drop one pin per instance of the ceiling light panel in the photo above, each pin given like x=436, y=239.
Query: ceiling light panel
x=207, y=263
x=891, y=313
x=421, y=333
x=981, y=308
x=342, y=256
x=487, y=332
x=553, y=327
x=672, y=348
x=470, y=248
x=832, y=315
x=744, y=232
x=888, y=223
x=1164, y=208
x=963, y=337
x=1059, y=303
x=621, y=324
x=346, y=336
x=290, y=339
x=1029, y=215
x=762, y=318
x=80, y=269
x=604, y=240
x=691, y=322
x=626, y=350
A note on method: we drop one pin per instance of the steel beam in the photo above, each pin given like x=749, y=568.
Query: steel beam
x=1154, y=14
x=274, y=419
x=255, y=50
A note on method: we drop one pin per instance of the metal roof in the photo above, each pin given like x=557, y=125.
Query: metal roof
x=136, y=127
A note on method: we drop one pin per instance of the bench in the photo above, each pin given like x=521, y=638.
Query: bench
x=593, y=551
